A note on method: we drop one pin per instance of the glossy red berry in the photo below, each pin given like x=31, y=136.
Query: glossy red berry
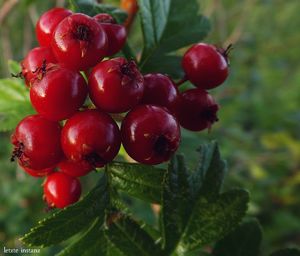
x=197, y=110
x=48, y=22
x=61, y=190
x=205, y=65
x=79, y=42
x=75, y=169
x=37, y=173
x=116, y=34
x=160, y=90
x=116, y=85
x=59, y=93
x=150, y=134
x=34, y=60
x=91, y=136
x=36, y=143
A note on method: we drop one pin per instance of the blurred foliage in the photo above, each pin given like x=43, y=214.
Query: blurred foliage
x=259, y=125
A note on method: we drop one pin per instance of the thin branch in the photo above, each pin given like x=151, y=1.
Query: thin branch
x=210, y=9
x=33, y=14
x=131, y=7
x=27, y=34
x=6, y=46
x=6, y=8
x=60, y=3
x=238, y=31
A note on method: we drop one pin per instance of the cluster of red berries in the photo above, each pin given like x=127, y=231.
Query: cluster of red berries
x=67, y=139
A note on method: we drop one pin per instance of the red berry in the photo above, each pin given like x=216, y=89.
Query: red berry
x=116, y=85
x=79, y=42
x=75, y=169
x=38, y=173
x=91, y=136
x=150, y=134
x=34, y=60
x=116, y=34
x=197, y=110
x=61, y=190
x=59, y=93
x=105, y=18
x=48, y=22
x=36, y=143
x=205, y=65
x=160, y=90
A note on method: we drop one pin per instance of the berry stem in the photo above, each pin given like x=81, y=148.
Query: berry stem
x=131, y=7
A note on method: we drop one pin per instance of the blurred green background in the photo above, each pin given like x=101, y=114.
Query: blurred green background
x=259, y=122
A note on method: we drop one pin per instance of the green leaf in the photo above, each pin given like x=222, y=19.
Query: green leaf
x=211, y=221
x=93, y=242
x=141, y=181
x=286, y=252
x=197, y=252
x=91, y=8
x=209, y=175
x=131, y=239
x=175, y=203
x=69, y=221
x=14, y=103
x=193, y=212
x=14, y=67
x=169, y=25
x=168, y=64
x=243, y=241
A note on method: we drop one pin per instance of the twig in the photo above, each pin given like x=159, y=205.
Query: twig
x=60, y=3
x=27, y=34
x=6, y=46
x=237, y=33
x=131, y=7
x=6, y=8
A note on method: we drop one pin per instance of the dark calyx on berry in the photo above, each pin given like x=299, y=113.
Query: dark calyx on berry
x=210, y=113
x=82, y=32
x=17, y=75
x=41, y=71
x=95, y=159
x=161, y=146
x=129, y=69
x=225, y=52
x=18, y=151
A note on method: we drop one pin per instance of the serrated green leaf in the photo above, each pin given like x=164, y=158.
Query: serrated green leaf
x=211, y=221
x=209, y=175
x=93, y=242
x=286, y=252
x=131, y=239
x=91, y=8
x=169, y=25
x=183, y=196
x=175, y=203
x=245, y=240
x=14, y=103
x=69, y=221
x=155, y=234
x=141, y=181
